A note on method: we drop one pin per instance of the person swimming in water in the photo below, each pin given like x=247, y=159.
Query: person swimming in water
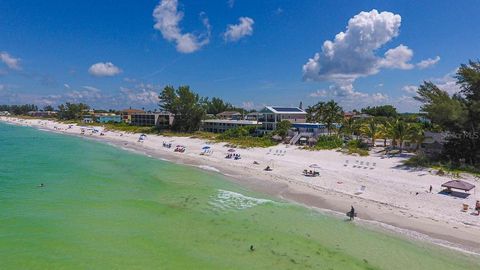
x=41, y=185
x=252, y=248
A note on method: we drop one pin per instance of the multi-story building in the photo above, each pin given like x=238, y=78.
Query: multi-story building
x=159, y=119
x=42, y=113
x=127, y=114
x=270, y=116
x=108, y=118
x=220, y=126
x=229, y=115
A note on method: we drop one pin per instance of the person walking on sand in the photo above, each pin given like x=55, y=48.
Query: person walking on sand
x=352, y=213
x=430, y=189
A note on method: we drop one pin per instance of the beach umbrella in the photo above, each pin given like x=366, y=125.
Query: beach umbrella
x=315, y=166
x=206, y=147
x=231, y=150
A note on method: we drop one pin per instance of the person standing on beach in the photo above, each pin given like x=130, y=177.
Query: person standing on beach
x=430, y=188
x=352, y=213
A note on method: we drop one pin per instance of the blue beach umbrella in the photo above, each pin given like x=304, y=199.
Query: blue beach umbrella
x=206, y=147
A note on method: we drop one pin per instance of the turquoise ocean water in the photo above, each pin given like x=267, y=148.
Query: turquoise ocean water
x=106, y=208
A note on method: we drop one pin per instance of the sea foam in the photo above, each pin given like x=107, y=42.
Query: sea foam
x=229, y=200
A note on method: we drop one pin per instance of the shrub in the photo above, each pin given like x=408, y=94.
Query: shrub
x=327, y=143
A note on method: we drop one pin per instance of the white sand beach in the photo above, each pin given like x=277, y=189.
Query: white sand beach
x=391, y=193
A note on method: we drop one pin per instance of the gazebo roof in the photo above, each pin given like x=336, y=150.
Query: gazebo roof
x=458, y=184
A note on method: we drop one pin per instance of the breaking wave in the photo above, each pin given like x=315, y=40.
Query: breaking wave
x=229, y=200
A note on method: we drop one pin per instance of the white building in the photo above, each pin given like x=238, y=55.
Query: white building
x=272, y=115
x=220, y=125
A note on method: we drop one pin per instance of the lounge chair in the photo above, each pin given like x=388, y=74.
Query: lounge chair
x=361, y=190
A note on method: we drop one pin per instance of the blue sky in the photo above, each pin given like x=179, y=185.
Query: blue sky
x=117, y=54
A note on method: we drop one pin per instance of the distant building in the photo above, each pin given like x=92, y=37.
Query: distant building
x=4, y=113
x=361, y=116
x=272, y=115
x=108, y=118
x=126, y=114
x=253, y=116
x=348, y=115
x=159, y=119
x=229, y=115
x=87, y=119
x=42, y=113
x=433, y=142
x=220, y=126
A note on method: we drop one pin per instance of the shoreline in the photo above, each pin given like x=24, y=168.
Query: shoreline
x=387, y=212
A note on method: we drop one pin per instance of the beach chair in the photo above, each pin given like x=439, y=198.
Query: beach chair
x=373, y=166
x=361, y=190
x=269, y=151
x=367, y=165
x=346, y=163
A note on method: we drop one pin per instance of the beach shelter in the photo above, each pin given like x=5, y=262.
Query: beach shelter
x=458, y=184
x=314, y=166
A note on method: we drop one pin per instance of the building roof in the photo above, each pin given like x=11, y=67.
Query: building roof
x=362, y=115
x=284, y=110
x=229, y=113
x=132, y=111
x=240, y=122
x=458, y=184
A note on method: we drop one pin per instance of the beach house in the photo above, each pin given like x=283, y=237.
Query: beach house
x=108, y=118
x=127, y=114
x=270, y=116
x=220, y=125
x=44, y=114
x=158, y=119
x=229, y=115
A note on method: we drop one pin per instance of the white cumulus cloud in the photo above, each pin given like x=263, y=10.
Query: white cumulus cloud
x=411, y=89
x=428, y=62
x=167, y=18
x=398, y=57
x=235, y=32
x=104, y=69
x=352, y=53
x=10, y=61
x=141, y=94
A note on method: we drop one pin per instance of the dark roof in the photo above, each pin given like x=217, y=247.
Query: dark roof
x=285, y=109
x=457, y=184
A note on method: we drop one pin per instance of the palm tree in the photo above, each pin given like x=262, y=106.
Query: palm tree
x=348, y=127
x=333, y=114
x=371, y=130
x=416, y=134
x=384, y=133
x=399, y=131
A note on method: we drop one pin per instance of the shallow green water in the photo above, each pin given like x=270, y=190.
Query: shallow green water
x=105, y=208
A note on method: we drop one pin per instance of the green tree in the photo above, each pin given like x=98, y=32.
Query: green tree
x=442, y=109
x=48, y=108
x=384, y=110
x=282, y=128
x=416, y=134
x=328, y=113
x=72, y=111
x=185, y=105
x=371, y=129
x=399, y=131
